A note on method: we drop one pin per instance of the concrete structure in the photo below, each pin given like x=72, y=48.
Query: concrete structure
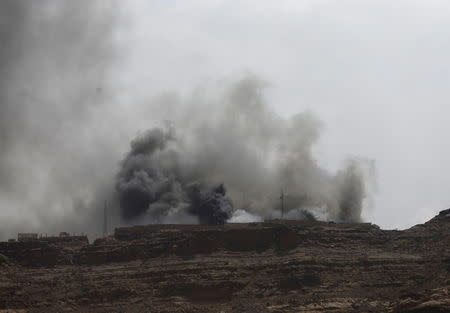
x=27, y=237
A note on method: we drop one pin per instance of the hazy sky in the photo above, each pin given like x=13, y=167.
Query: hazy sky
x=375, y=72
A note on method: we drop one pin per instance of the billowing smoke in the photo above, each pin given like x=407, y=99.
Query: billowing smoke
x=230, y=140
x=65, y=122
x=210, y=204
x=152, y=180
x=55, y=155
x=351, y=192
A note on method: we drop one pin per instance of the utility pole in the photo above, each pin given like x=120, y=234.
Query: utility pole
x=105, y=220
x=282, y=202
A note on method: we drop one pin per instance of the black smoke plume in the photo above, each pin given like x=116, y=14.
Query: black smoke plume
x=209, y=204
x=151, y=179
x=234, y=141
x=62, y=132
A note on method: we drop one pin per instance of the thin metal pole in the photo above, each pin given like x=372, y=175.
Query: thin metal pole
x=105, y=221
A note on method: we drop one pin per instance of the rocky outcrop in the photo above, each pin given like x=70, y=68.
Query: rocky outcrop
x=276, y=266
x=46, y=251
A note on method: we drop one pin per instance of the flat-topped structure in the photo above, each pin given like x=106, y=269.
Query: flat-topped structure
x=23, y=237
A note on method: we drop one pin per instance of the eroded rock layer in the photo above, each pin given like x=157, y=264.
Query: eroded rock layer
x=276, y=266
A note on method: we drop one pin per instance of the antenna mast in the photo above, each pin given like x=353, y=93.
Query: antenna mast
x=105, y=220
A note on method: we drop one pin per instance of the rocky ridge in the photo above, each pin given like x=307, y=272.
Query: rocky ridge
x=275, y=266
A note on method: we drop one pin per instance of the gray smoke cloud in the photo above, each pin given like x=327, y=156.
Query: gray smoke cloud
x=232, y=137
x=55, y=57
x=65, y=122
x=374, y=71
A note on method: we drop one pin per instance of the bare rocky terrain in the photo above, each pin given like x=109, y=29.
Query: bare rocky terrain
x=276, y=266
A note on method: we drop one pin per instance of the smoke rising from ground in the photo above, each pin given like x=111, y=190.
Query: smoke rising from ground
x=67, y=115
x=55, y=58
x=152, y=180
x=234, y=139
x=375, y=72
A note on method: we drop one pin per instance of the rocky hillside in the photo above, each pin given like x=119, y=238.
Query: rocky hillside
x=276, y=266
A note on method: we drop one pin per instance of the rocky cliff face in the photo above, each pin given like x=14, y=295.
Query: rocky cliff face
x=277, y=266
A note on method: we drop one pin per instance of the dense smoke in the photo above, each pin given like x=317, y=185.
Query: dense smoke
x=64, y=123
x=55, y=57
x=151, y=179
x=234, y=141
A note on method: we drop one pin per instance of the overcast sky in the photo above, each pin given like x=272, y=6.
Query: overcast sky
x=375, y=72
